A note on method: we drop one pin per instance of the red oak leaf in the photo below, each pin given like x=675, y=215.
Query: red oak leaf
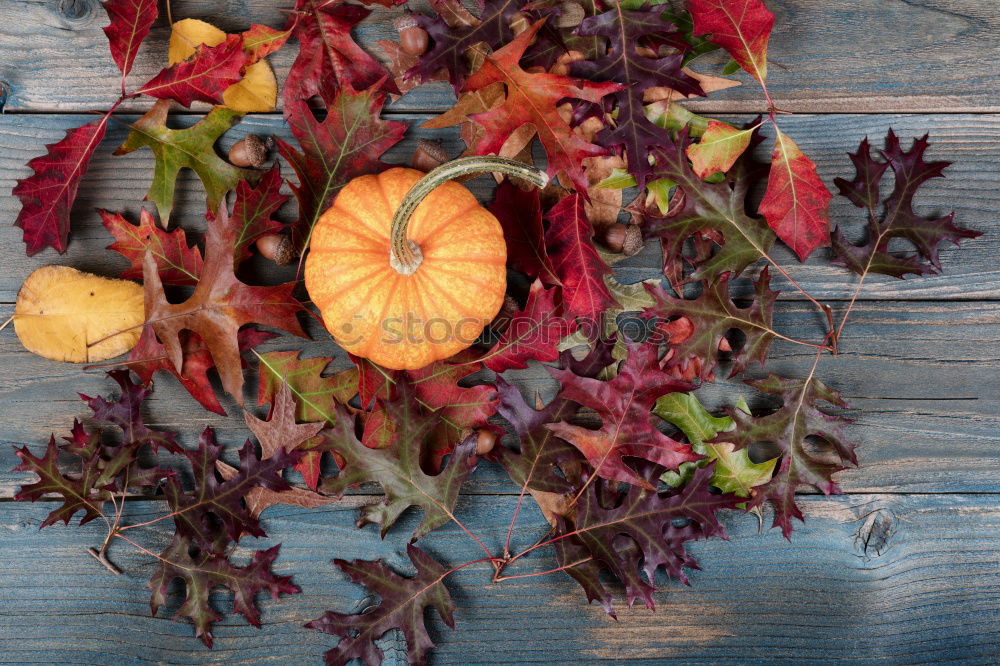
x=176, y=262
x=203, y=77
x=624, y=405
x=402, y=602
x=533, y=99
x=219, y=306
x=328, y=58
x=580, y=269
x=48, y=194
x=796, y=203
x=149, y=356
x=533, y=334
x=520, y=214
x=346, y=144
x=899, y=221
x=253, y=210
x=130, y=24
x=742, y=27
x=260, y=41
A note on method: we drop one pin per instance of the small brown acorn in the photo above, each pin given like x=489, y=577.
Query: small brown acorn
x=428, y=155
x=250, y=152
x=486, y=439
x=412, y=38
x=277, y=247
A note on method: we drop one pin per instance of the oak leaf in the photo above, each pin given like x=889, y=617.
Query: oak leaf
x=742, y=27
x=131, y=21
x=532, y=98
x=253, y=210
x=719, y=148
x=899, y=220
x=203, y=77
x=191, y=148
x=533, y=333
x=402, y=605
x=176, y=262
x=218, y=307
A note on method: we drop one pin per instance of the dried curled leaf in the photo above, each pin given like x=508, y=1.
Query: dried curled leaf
x=66, y=315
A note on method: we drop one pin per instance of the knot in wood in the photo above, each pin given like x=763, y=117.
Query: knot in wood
x=875, y=534
x=74, y=10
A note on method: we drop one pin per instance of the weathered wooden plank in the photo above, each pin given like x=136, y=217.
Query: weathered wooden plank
x=841, y=55
x=867, y=579
x=971, y=189
x=923, y=379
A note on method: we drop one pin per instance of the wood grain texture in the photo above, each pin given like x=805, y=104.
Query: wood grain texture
x=923, y=381
x=971, y=189
x=834, y=56
x=869, y=579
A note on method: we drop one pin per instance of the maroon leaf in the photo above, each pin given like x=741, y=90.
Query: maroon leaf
x=403, y=602
x=346, y=144
x=626, y=31
x=78, y=491
x=812, y=443
x=130, y=24
x=534, y=333
x=520, y=215
x=48, y=194
x=624, y=405
x=126, y=414
x=201, y=570
x=580, y=269
x=655, y=527
x=197, y=513
x=253, y=210
x=203, y=77
x=176, y=262
x=899, y=220
x=796, y=203
x=328, y=58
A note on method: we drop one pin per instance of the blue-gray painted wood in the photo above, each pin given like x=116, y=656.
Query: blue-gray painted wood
x=923, y=380
x=872, y=579
x=832, y=56
x=971, y=189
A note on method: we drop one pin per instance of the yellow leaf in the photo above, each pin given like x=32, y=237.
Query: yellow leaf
x=67, y=315
x=257, y=91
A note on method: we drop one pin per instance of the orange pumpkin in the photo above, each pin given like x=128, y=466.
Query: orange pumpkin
x=408, y=268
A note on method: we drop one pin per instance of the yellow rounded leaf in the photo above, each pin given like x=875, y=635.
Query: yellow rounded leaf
x=67, y=315
x=258, y=91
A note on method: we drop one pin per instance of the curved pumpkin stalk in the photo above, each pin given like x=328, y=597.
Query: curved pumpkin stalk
x=405, y=256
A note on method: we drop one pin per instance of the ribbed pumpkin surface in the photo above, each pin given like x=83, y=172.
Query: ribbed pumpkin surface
x=406, y=321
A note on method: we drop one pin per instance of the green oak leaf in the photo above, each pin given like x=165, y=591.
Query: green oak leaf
x=191, y=148
x=734, y=471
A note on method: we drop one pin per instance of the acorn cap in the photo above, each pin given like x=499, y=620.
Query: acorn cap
x=632, y=242
x=405, y=21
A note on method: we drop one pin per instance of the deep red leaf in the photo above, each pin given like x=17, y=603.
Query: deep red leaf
x=130, y=24
x=48, y=194
x=742, y=27
x=253, y=209
x=176, y=262
x=796, y=203
x=533, y=333
x=520, y=214
x=580, y=269
x=203, y=77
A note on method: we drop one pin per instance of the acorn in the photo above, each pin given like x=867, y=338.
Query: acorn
x=624, y=238
x=278, y=248
x=428, y=155
x=412, y=38
x=250, y=152
x=486, y=439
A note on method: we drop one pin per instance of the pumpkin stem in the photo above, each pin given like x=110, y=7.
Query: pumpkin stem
x=404, y=255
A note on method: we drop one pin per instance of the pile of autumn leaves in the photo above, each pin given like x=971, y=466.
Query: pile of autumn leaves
x=599, y=93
